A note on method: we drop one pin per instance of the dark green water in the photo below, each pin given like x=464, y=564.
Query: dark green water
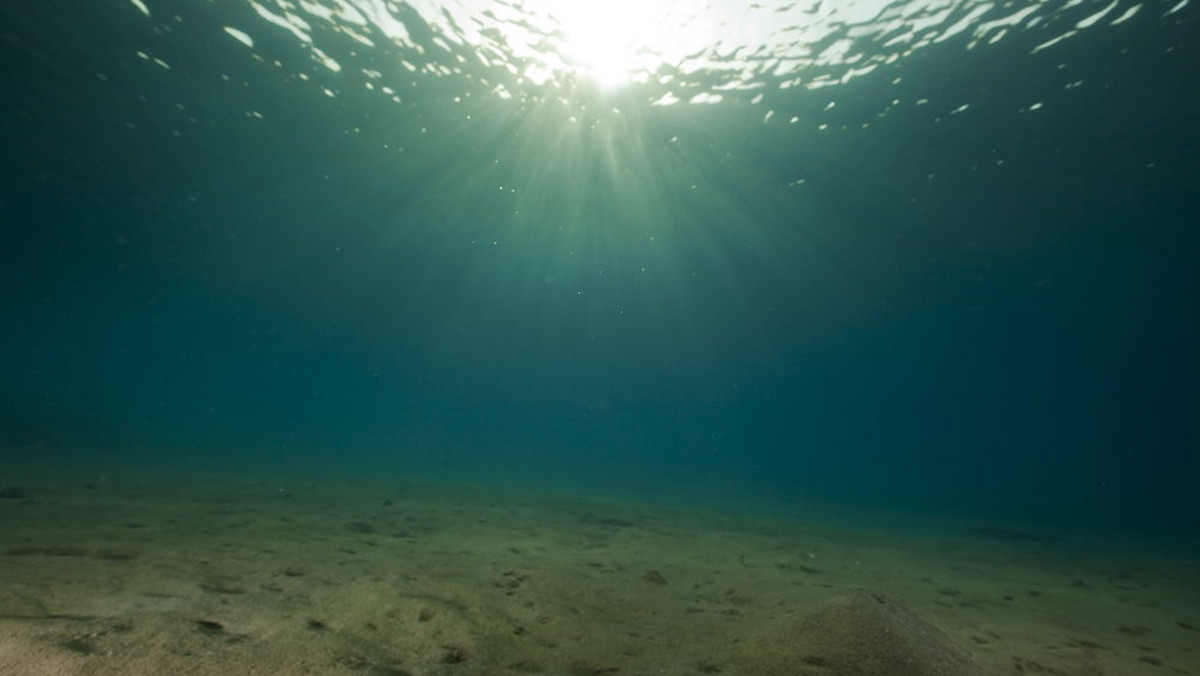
x=918, y=257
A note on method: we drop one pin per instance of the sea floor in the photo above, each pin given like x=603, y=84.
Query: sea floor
x=142, y=572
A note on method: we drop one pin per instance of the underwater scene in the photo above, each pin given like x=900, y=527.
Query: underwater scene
x=614, y=337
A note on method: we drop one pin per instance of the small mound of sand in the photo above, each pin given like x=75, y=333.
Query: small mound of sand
x=866, y=634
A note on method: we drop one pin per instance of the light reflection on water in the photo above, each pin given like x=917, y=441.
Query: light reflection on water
x=673, y=51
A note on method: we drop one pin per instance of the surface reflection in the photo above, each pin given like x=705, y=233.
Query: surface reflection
x=675, y=51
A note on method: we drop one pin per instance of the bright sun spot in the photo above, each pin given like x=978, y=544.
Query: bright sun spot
x=609, y=40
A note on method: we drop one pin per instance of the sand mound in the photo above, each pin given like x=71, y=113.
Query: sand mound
x=865, y=634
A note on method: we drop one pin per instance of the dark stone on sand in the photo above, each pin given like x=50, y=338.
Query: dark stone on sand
x=209, y=626
x=654, y=577
x=865, y=634
x=456, y=654
x=79, y=644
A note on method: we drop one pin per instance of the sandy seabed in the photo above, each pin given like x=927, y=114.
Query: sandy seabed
x=140, y=572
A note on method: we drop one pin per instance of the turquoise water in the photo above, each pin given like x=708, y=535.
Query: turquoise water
x=934, y=258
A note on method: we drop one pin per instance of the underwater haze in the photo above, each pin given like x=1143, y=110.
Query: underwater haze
x=929, y=256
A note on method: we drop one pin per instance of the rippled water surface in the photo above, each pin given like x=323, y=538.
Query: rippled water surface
x=669, y=51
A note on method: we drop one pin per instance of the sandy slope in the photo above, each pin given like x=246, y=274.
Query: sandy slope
x=143, y=573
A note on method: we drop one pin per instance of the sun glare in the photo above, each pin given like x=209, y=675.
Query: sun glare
x=610, y=40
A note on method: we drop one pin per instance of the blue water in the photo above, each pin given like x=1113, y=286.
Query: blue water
x=962, y=282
